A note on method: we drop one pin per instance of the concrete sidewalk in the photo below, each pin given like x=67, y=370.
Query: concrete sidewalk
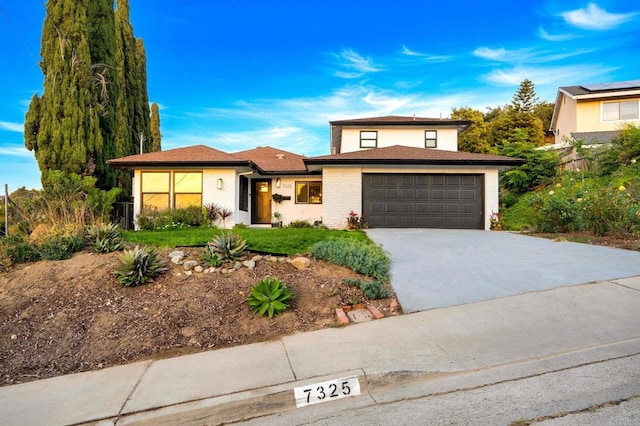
x=445, y=348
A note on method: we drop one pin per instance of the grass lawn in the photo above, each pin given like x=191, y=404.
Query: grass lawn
x=269, y=240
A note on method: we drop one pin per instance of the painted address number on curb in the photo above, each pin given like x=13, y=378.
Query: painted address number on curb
x=326, y=391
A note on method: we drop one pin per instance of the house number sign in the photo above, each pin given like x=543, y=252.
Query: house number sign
x=326, y=391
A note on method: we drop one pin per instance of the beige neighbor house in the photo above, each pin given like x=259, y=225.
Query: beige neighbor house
x=395, y=171
x=595, y=112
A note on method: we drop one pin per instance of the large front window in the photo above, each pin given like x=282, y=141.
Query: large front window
x=187, y=189
x=616, y=111
x=156, y=190
x=163, y=190
x=309, y=192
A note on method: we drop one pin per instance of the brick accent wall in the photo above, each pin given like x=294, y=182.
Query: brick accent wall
x=342, y=192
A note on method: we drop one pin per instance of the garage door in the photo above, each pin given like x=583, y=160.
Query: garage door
x=393, y=200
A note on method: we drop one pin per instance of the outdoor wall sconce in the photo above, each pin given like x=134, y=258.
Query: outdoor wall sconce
x=219, y=183
x=278, y=183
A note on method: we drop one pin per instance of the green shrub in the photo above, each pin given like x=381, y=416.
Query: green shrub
x=300, y=224
x=364, y=258
x=372, y=289
x=60, y=248
x=103, y=238
x=269, y=297
x=151, y=218
x=210, y=257
x=23, y=252
x=138, y=266
x=5, y=260
x=228, y=246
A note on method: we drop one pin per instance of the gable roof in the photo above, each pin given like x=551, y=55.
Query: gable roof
x=270, y=160
x=196, y=156
x=404, y=155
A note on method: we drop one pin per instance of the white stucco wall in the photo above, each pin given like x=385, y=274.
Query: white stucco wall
x=413, y=136
x=226, y=197
x=343, y=189
x=289, y=209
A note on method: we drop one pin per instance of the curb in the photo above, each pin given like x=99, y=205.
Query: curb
x=240, y=406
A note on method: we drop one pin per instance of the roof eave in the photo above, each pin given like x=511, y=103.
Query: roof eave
x=132, y=165
x=436, y=162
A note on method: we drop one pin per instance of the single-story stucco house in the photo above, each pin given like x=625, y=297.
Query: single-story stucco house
x=395, y=171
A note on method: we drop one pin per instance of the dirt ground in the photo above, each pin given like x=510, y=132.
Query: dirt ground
x=69, y=316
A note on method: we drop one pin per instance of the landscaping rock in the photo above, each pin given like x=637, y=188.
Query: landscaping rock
x=198, y=269
x=238, y=265
x=177, y=256
x=301, y=262
x=257, y=258
x=249, y=264
x=190, y=264
x=273, y=259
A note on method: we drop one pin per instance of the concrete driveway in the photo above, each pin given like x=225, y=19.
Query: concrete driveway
x=433, y=268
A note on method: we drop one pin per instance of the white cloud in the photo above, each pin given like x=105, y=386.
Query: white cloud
x=14, y=150
x=562, y=75
x=12, y=127
x=594, y=18
x=356, y=64
x=429, y=58
x=543, y=34
x=491, y=54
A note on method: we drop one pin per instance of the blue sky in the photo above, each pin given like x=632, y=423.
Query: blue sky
x=235, y=74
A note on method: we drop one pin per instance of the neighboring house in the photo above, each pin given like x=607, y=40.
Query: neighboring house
x=395, y=171
x=595, y=113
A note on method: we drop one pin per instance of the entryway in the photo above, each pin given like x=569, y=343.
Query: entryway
x=261, y=201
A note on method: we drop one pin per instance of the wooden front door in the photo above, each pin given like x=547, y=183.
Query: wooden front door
x=261, y=201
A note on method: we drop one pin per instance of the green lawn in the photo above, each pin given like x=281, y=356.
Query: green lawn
x=269, y=240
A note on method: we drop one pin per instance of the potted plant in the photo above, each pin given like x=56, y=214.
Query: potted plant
x=277, y=220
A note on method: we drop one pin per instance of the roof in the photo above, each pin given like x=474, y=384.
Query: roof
x=602, y=88
x=404, y=155
x=273, y=160
x=395, y=120
x=266, y=160
x=198, y=155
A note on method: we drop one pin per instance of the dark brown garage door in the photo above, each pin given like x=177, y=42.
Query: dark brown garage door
x=422, y=200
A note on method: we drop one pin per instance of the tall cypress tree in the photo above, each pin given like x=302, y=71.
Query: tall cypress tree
x=95, y=101
x=132, y=106
x=66, y=118
x=156, y=136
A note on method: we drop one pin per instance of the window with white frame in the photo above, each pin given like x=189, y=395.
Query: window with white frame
x=617, y=111
x=368, y=138
x=430, y=138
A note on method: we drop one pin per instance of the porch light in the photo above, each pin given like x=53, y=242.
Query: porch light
x=219, y=183
x=278, y=183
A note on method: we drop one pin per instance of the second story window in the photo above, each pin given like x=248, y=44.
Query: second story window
x=616, y=111
x=430, y=138
x=368, y=139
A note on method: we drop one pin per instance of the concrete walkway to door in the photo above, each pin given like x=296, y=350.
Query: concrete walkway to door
x=433, y=268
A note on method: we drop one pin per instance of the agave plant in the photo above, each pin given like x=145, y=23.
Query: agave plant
x=210, y=257
x=269, y=297
x=103, y=237
x=228, y=246
x=138, y=266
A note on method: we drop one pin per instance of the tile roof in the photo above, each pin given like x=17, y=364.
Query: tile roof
x=401, y=120
x=188, y=156
x=398, y=154
x=273, y=160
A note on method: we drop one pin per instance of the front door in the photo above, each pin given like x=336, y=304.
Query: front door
x=261, y=201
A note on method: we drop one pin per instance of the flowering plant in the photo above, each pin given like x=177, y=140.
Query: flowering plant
x=354, y=221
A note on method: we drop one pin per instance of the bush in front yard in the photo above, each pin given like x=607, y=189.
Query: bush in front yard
x=138, y=266
x=363, y=258
x=151, y=219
